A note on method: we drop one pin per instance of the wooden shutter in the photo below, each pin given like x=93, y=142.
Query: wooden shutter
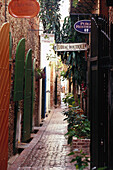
x=27, y=97
x=19, y=70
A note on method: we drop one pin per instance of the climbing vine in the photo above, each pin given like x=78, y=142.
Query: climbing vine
x=75, y=2
x=76, y=59
x=50, y=16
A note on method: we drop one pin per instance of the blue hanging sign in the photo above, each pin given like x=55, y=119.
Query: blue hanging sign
x=83, y=26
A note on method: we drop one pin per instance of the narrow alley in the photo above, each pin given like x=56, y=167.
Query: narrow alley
x=48, y=150
x=56, y=84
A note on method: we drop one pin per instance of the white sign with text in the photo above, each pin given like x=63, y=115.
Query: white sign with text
x=71, y=47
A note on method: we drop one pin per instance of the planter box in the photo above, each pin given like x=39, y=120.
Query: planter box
x=81, y=144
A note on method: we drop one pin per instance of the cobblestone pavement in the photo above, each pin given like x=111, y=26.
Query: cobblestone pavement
x=49, y=149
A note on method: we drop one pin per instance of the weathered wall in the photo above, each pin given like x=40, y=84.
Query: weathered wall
x=59, y=90
x=19, y=28
x=53, y=75
x=111, y=14
x=86, y=7
x=52, y=85
x=104, y=8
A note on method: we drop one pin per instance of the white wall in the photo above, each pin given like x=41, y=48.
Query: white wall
x=64, y=9
x=46, y=49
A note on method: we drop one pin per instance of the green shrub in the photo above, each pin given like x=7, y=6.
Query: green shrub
x=78, y=126
x=82, y=160
x=69, y=99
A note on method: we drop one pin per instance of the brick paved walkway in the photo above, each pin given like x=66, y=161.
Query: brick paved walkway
x=49, y=149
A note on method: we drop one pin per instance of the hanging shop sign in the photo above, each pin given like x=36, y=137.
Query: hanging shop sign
x=71, y=47
x=23, y=8
x=47, y=38
x=83, y=26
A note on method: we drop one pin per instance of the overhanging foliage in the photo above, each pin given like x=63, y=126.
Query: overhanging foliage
x=50, y=16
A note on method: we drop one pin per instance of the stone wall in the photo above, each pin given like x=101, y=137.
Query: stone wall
x=20, y=28
x=86, y=7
